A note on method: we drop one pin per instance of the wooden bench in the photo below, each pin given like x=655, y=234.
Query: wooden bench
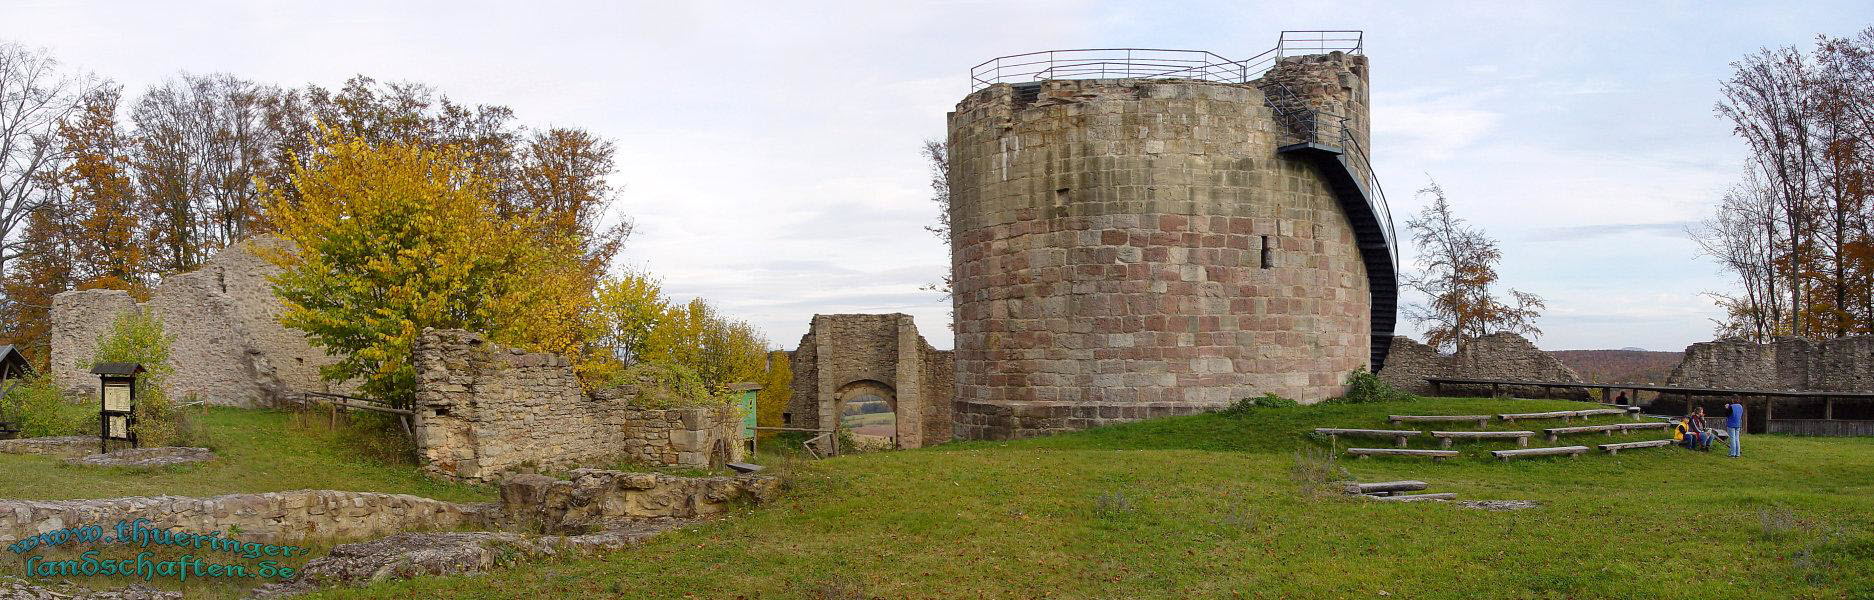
x=1414, y=497
x=1616, y=448
x=1554, y=432
x=1606, y=411
x=1559, y=414
x=1445, y=437
x=1398, y=435
x=1571, y=451
x=1480, y=419
x=1386, y=487
x=1436, y=455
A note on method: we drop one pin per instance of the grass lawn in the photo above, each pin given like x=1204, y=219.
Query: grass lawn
x=1207, y=506
x=258, y=451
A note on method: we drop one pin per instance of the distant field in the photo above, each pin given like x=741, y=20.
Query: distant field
x=1620, y=366
x=874, y=419
x=1210, y=506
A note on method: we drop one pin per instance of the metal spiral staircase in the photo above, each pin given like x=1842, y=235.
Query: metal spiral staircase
x=1325, y=140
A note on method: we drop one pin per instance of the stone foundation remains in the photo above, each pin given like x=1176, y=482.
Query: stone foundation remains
x=145, y=458
x=273, y=517
x=595, y=498
x=483, y=411
x=1499, y=355
x=1837, y=365
x=843, y=357
x=70, y=446
x=229, y=347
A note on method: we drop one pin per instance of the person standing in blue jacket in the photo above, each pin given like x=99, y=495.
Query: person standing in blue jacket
x=1734, y=422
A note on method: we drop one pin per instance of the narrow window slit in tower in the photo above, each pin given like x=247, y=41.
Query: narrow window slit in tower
x=1268, y=253
x=1060, y=198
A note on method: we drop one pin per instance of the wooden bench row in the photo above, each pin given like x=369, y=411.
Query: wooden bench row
x=1568, y=414
x=1483, y=420
x=1439, y=455
x=1444, y=437
x=1554, y=432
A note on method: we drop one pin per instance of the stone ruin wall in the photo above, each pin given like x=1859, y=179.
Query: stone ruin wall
x=1107, y=261
x=1499, y=355
x=592, y=498
x=483, y=411
x=1837, y=365
x=883, y=354
x=228, y=345
x=272, y=517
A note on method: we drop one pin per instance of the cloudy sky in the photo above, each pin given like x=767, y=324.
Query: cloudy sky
x=768, y=151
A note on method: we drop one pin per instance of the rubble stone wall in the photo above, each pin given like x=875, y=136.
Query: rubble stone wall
x=1109, y=244
x=483, y=411
x=1501, y=355
x=228, y=345
x=271, y=517
x=846, y=356
x=594, y=497
x=1837, y=365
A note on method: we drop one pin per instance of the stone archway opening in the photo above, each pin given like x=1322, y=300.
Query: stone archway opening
x=868, y=410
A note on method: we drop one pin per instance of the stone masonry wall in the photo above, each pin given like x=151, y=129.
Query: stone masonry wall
x=1410, y=362
x=848, y=355
x=1837, y=365
x=78, y=319
x=229, y=347
x=273, y=517
x=1502, y=355
x=1108, y=255
x=594, y=497
x=483, y=411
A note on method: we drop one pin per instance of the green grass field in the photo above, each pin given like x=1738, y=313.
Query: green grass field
x=1207, y=506
x=257, y=450
x=1201, y=506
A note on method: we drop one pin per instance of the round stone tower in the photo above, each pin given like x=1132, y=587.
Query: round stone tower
x=1125, y=248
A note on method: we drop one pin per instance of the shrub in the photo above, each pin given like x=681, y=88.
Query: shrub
x=1113, y=506
x=1271, y=400
x=38, y=409
x=1364, y=387
x=1268, y=400
x=662, y=386
x=139, y=338
x=1318, y=471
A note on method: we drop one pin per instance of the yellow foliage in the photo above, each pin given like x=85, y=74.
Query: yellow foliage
x=394, y=238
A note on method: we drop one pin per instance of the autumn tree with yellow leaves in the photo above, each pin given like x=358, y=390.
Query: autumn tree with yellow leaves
x=392, y=238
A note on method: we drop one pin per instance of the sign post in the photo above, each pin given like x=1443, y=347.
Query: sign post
x=117, y=403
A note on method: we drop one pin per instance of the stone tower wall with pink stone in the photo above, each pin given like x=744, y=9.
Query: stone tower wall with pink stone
x=1126, y=249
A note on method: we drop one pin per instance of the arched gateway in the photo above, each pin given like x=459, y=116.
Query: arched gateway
x=844, y=358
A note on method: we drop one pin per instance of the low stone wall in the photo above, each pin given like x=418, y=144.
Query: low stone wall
x=70, y=446
x=1501, y=355
x=273, y=517
x=483, y=411
x=596, y=498
x=1837, y=365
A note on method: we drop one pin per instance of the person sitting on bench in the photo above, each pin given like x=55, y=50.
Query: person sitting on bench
x=1686, y=432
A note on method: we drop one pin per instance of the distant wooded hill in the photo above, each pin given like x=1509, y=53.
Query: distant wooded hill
x=1620, y=366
